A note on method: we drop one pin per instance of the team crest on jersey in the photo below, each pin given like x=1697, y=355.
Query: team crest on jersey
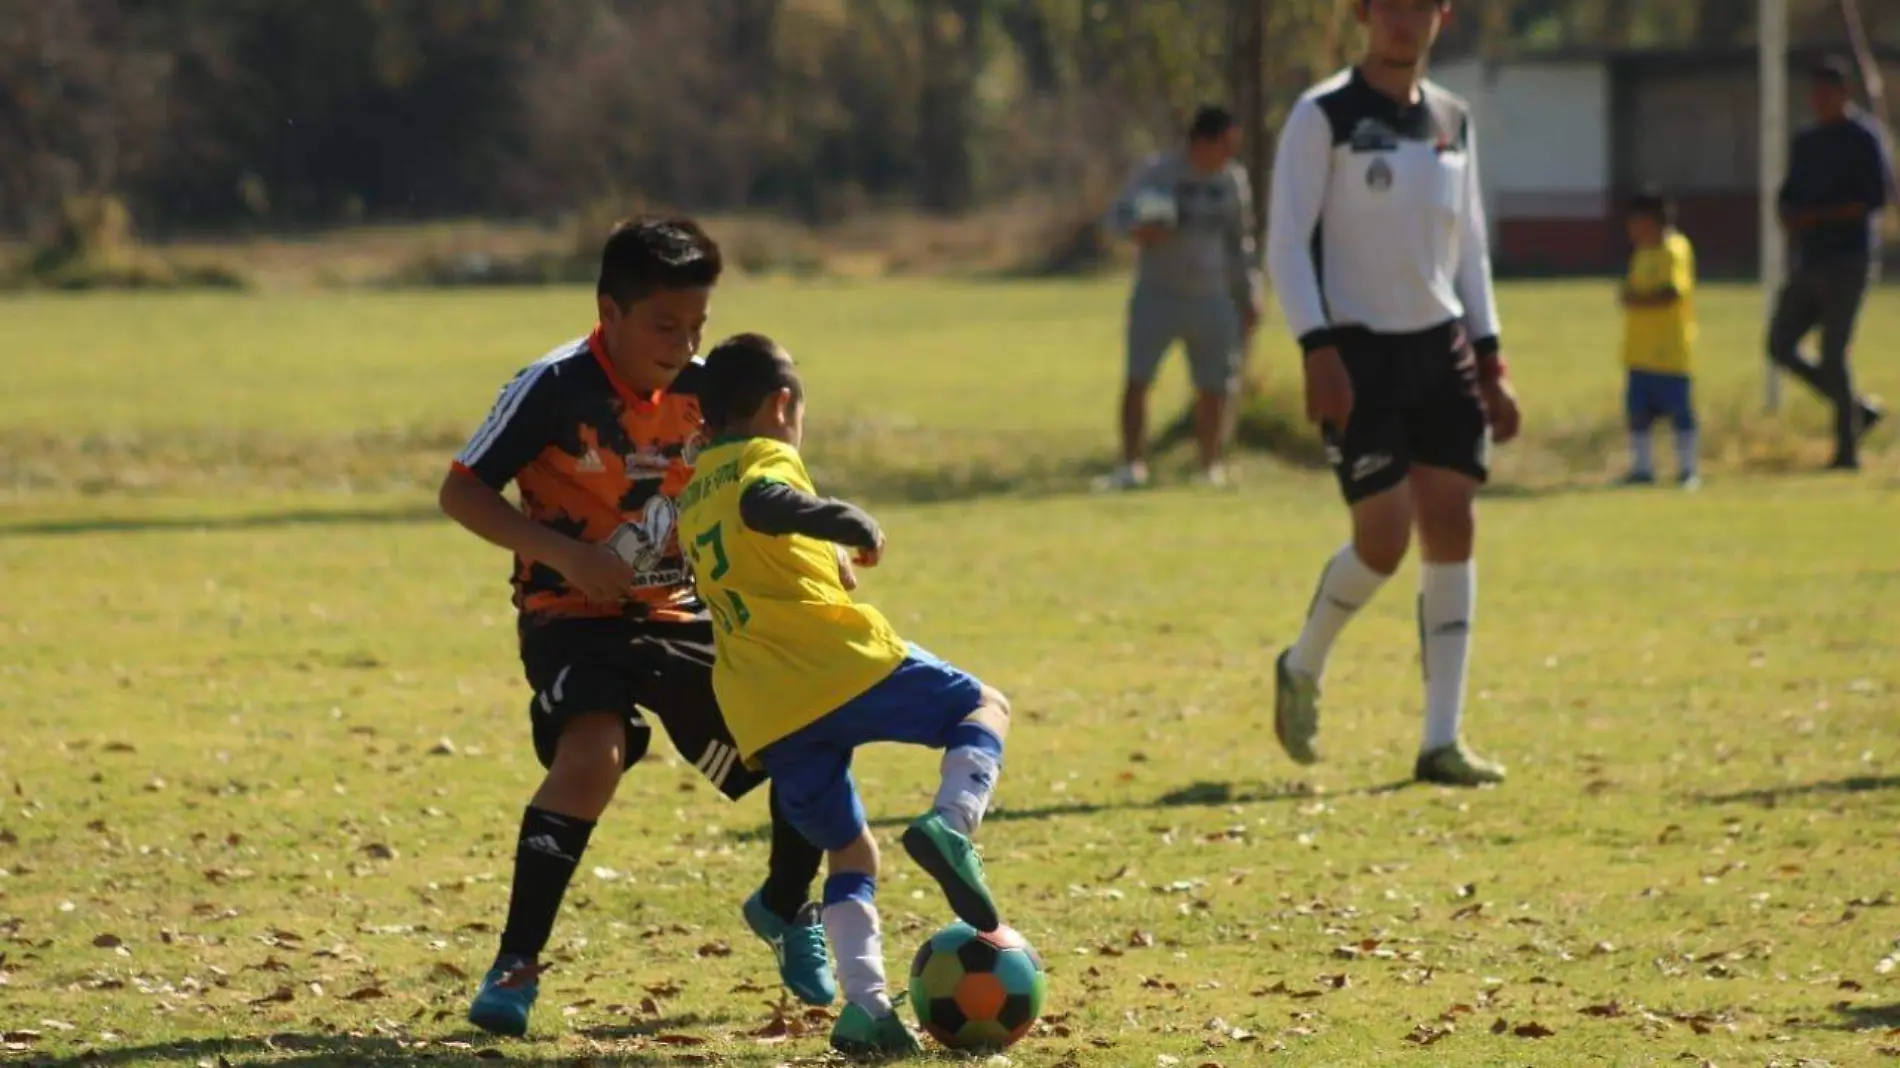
x=1379, y=175
x=1373, y=135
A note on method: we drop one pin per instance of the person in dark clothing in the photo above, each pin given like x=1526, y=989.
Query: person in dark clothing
x=1837, y=183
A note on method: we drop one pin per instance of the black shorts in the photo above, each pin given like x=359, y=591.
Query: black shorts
x=618, y=666
x=1415, y=401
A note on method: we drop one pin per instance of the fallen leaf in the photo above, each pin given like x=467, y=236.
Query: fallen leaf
x=21, y=1036
x=1607, y=1010
x=1140, y=940
x=368, y=993
x=679, y=1040
x=57, y=1025
x=445, y=747
x=714, y=949
x=379, y=851
x=108, y=941
x=1426, y=1034
x=278, y=996
x=443, y=969
x=1502, y=1025
x=1532, y=1030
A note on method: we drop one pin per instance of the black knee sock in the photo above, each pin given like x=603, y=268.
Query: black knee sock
x=546, y=855
x=793, y=866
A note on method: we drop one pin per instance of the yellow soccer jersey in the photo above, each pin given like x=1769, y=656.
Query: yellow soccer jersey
x=792, y=646
x=1662, y=339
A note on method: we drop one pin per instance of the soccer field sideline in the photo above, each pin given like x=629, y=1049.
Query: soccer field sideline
x=230, y=702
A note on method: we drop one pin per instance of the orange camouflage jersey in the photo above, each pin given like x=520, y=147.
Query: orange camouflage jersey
x=599, y=461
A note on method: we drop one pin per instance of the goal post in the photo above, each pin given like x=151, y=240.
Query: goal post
x=1772, y=38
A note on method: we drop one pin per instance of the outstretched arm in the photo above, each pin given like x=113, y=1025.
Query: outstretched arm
x=774, y=508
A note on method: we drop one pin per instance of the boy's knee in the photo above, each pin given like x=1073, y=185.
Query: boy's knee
x=993, y=713
x=590, y=758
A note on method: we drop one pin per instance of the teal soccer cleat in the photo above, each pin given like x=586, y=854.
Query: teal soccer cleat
x=803, y=963
x=507, y=994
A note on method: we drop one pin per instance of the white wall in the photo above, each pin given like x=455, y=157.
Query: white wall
x=1543, y=135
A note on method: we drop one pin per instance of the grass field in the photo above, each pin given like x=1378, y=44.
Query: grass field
x=265, y=752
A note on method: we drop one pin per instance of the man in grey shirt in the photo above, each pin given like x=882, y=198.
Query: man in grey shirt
x=1830, y=203
x=1190, y=211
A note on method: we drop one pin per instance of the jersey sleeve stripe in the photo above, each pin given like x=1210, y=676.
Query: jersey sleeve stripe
x=504, y=410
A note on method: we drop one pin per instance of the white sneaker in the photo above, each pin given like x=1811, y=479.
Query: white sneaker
x=1215, y=477
x=1125, y=477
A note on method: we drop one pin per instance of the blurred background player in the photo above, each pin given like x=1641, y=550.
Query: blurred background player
x=598, y=438
x=1379, y=255
x=1196, y=282
x=1659, y=337
x=807, y=676
x=1838, y=180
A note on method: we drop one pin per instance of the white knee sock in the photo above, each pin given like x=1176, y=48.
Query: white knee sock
x=969, y=772
x=1447, y=595
x=1642, y=453
x=857, y=946
x=1344, y=588
x=1686, y=449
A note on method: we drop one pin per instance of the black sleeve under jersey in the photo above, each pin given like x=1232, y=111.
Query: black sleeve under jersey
x=775, y=508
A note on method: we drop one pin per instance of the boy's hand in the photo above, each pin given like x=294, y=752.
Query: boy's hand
x=847, y=575
x=1500, y=405
x=596, y=571
x=870, y=557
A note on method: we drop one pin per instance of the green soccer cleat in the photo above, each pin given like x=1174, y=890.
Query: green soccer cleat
x=951, y=859
x=861, y=1036
x=1455, y=765
x=1296, y=712
x=501, y=1006
x=803, y=964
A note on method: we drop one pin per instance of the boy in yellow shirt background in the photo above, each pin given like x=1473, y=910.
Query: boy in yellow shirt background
x=1659, y=337
x=805, y=675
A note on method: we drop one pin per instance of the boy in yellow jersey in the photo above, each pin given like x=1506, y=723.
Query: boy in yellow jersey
x=1659, y=337
x=805, y=675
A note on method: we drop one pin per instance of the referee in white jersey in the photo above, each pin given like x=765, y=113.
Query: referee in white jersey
x=1378, y=252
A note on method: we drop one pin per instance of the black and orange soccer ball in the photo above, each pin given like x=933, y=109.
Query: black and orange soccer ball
x=976, y=990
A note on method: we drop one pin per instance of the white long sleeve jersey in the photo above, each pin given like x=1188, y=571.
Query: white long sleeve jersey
x=1377, y=220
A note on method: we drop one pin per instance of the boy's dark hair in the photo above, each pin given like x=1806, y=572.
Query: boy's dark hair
x=645, y=255
x=741, y=372
x=1211, y=122
x=1654, y=204
x=1833, y=71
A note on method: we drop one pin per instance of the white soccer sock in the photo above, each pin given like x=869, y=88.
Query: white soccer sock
x=1642, y=453
x=857, y=948
x=1686, y=449
x=1344, y=588
x=969, y=774
x=1447, y=595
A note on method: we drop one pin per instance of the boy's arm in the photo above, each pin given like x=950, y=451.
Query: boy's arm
x=775, y=508
x=1679, y=279
x=518, y=427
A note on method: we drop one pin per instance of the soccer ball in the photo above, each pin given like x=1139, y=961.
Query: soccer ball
x=1154, y=206
x=976, y=990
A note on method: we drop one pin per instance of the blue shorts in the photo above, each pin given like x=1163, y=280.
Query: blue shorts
x=1652, y=394
x=920, y=703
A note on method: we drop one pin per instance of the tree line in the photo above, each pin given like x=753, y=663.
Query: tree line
x=282, y=114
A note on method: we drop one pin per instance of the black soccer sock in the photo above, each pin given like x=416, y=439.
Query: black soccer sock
x=793, y=866
x=546, y=855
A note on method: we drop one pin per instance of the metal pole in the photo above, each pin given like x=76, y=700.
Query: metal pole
x=1772, y=33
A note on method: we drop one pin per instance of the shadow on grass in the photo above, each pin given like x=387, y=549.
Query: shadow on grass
x=1771, y=796
x=298, y=517
x=1193, y=795
x=308, y=1050
x=1869, y=1017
